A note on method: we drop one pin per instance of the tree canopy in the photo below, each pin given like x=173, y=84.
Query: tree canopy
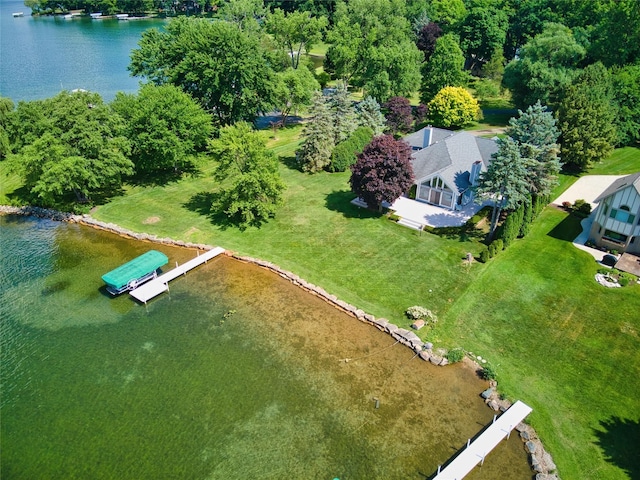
x=445, y=68
x=504, y=182
x=546, y=65
x=252, y=190
x=382, y=172
x=165, y=127
x=371, y=47
x=77, y=148
x=295, y=32
x=587, y=118
x=224, y=68
x=453, y=107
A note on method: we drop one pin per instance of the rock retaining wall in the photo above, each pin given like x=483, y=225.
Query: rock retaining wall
x=540, y=460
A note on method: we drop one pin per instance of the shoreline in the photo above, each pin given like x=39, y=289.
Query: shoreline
x=540, y=460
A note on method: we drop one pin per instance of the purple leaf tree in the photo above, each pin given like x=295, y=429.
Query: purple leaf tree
x=382, y=172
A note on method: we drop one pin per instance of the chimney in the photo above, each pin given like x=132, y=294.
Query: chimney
x=428, y=135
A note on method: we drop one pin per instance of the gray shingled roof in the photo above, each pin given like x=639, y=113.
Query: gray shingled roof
x=619, y=184
x=450, y=156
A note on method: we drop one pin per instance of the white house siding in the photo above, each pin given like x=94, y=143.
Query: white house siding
x=630, y=198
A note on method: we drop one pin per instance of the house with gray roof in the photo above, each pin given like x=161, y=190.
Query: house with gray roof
x=616, y=223
x=447, y=164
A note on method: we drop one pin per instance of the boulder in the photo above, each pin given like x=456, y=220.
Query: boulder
x=418, y=324
x=435, y=359
x=424, y=355
x=444, y=362
x=428, y=345
x=391, y=328
x=487, y=393
x=530, y=446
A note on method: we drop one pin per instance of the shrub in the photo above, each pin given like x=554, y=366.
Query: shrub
x=456, y=355
x=495, y=247
x=421, y=313
x=488, y=372
x=582, y=207
x=412, y=192
x=566, y=205
x=484, y=255
x=623, y=281
x=394, y=217
x=344, y=153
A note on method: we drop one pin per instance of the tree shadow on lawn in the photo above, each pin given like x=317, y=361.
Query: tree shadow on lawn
x=340, y=201
x=291, y=163
x=619, y=439
x=202, y=203
x=568, y=229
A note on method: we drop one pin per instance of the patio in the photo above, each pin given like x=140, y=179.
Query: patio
x=414, y=214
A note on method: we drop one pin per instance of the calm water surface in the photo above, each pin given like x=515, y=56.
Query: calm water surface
x=235, y=374
x=39, y=56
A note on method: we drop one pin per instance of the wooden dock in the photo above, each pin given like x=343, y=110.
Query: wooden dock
x=160, y=284
x=476, y=451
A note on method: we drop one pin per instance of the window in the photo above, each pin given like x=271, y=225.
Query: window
x=615, y=236
x=622, y=215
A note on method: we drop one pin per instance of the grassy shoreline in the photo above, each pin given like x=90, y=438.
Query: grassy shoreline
x=560, y=342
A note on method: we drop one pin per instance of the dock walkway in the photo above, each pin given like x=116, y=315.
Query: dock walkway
x=160, y=284
x=477, y=450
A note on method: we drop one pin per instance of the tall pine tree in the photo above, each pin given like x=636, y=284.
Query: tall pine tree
x=586, y=118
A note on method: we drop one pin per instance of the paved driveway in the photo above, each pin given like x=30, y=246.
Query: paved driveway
x=587, y=188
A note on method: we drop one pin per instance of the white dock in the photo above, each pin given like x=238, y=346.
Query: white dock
x=476, y=451
x=160, y=284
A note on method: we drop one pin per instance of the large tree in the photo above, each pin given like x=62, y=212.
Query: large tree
x=453, y=107
x=252, y=189
x=544, y=67
x=536, y=136
x=371, y=47
x=295, y=32
x=616, y=38
x=370, y=115
x=527, y=19
x=319, y=138
x=82, y=153
x=165, y=125
x=224, y=68
x=626, y=88
x=294, y=89
x=399, y=114
x=6, y=107
x=483, y=31
x=427, y=37
x=445, y=68
x=247, y=15
x=587, y=118
x=382, y=172
x=504, y=182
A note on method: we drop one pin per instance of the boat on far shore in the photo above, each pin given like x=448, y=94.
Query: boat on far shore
x=18, y=14
x=96, y=15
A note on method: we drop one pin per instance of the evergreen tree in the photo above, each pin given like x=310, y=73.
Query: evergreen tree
x=536, y=134
x=587, y=118
x=369, y=115
x=527, y=217
x=445, y=68
x=504, y=181
x=344, y=114
x=319, y=137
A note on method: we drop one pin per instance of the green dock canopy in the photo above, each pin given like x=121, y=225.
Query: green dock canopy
x=136, y=268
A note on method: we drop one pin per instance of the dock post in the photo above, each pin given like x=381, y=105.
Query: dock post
x=482, y=462
x=510, y=429
x=468, y=442
x=494, y=418
x=439, y=469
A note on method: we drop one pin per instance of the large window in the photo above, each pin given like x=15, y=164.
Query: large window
x=622, y=214
x=615, y=236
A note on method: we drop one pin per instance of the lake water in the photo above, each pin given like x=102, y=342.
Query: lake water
x=234, y=374
x=40, y=56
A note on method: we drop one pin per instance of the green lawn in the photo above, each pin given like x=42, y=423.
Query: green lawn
x=559, y=341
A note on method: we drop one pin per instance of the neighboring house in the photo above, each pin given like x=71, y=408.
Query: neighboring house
x=447, y=164
x=616, y=223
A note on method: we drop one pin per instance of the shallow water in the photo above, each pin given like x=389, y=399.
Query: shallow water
x=233, y=374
